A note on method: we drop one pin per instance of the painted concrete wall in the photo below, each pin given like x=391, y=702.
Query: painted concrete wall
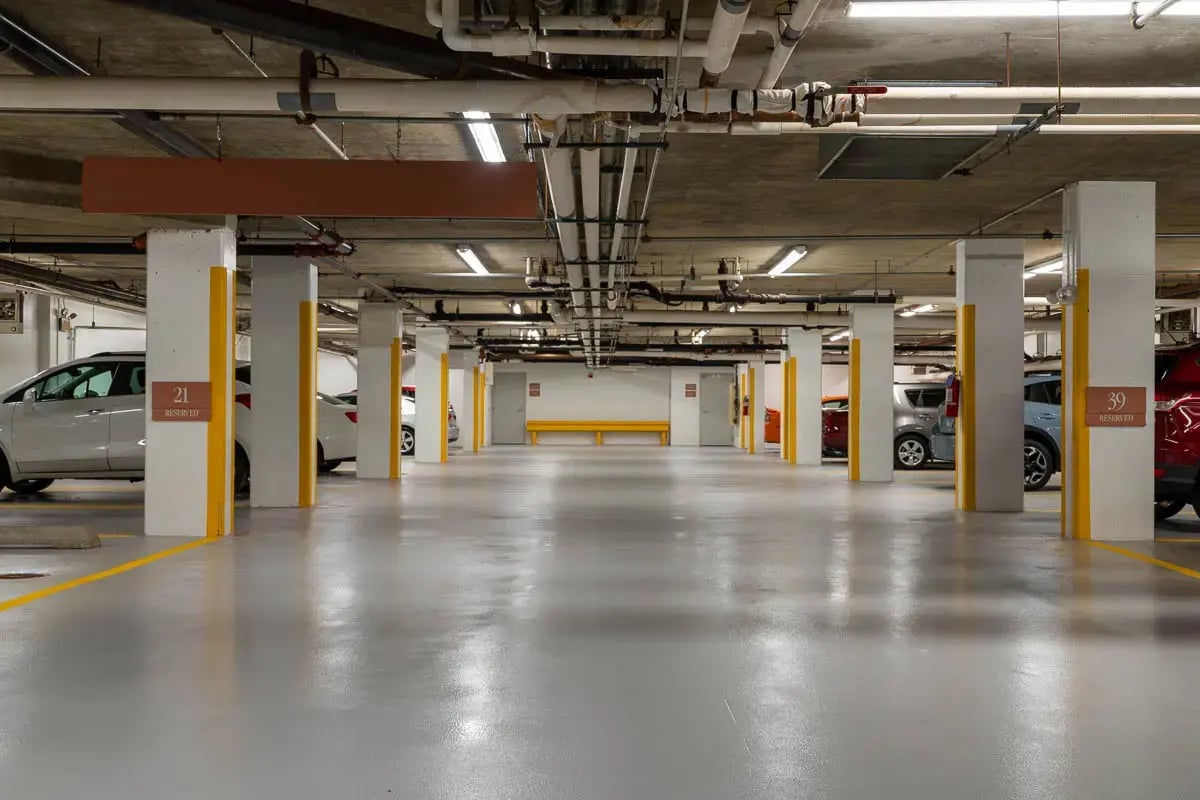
x=567, y=393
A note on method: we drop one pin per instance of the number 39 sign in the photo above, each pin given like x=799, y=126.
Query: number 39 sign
x=181, y=401
x=1116, y=406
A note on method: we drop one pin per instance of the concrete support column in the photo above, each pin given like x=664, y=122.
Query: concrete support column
x=284, y=447
x=433, y=388
x=743, y=394
x=991, y=345
x=465, y=406
x=45, y=323
x=189, y=353
x=872, y=375
x=785, y=407
x=804, y=417
x=1109, y=262
x=756, y=381
x=380, y=328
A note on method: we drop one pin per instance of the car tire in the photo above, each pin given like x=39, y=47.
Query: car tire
x=5, y=475
x=1039, y=465
x=408, y=441
x=330, y=466
x=911, y=451
x=30, y=486
x=241, y=472
x=1165, y=509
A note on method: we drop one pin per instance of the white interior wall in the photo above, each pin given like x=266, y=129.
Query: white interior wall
x=774, y=394
x=18, y=351
x=568, y=393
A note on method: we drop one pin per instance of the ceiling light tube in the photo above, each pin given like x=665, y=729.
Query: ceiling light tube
x=471, y=260
x=487, y=141
x=992, y=9
x=789, y=258
x=842, y=334
x=515, y=307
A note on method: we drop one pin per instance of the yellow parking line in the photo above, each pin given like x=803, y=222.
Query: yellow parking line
x=1145, y=559
x=1173, y=540
x=49, y=591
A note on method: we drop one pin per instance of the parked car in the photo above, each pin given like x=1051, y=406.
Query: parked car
x=1176, y=429
x=915, y=411
x=771, y=431
x=1043, y=429
x=86, y=419
x=408, y=419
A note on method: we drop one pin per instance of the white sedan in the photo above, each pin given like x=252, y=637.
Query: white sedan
x=87, y=419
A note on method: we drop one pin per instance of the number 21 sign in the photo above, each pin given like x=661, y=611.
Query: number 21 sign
x=181, y=401
x=1116, y=406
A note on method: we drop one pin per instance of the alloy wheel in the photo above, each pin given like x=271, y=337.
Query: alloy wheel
x=911, y=453
x=1037, y=466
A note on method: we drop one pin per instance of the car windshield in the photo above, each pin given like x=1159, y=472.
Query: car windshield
x=1162, y=365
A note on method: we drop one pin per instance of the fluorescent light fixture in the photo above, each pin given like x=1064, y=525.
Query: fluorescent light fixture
x=1038, y=301
x=789, y=258
x=1052, y=267
x=515, y=307
x=471, y=260
x=487, y=142
x=992, y=9
x=912, y=312
x=842, y=334
x=698, y=336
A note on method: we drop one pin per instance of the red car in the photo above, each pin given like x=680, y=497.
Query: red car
x=834, y=425
x=1176, y=429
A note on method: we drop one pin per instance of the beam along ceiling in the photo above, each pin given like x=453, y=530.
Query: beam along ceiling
x=744, y=201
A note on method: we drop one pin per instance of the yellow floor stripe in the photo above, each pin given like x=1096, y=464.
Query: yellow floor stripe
x=50, y=591
x=1173, y=540
x=1145, y=559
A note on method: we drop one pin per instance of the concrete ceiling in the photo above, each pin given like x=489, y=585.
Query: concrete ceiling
x=761, y=192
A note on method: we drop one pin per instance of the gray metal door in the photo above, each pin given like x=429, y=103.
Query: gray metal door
x=716, y=409
x=508, y=408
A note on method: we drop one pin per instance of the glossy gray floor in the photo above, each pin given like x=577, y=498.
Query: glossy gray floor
x=611, y=624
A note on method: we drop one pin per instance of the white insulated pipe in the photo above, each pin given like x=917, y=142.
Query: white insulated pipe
x=624, y=192
x=802, y=13
x=1012, y=100
x=589, y=183
x=728, y=20
x=341, y=95
x=560, y=179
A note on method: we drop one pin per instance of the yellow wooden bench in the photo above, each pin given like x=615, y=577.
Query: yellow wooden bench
x=598, y=427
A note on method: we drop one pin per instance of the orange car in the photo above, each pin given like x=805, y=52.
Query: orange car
x=771, y=431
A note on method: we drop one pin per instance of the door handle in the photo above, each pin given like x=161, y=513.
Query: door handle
x=1047, y=416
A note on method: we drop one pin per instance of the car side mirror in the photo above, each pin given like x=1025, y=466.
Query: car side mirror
x=29, y=397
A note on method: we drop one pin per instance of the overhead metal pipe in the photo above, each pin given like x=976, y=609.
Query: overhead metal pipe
x=729, y=18
x=1140, y=19
x=793, y=30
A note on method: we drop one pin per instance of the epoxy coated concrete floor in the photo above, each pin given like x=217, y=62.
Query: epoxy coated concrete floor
x=611, y=624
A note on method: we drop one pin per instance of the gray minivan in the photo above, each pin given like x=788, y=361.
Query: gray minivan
x=1043, y=429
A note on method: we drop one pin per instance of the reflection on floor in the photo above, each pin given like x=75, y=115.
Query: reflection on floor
x=612, y=623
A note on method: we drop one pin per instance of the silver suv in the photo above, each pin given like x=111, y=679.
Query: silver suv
x=916, y=414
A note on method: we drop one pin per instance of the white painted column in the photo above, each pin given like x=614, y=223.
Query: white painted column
x=45, y=322
x=380, y=328
x=1109, y=259
x=486, y=380
x=872, y=375
x=989, y=461
x=804, y=353
x=189, y=338
x=433, y=378
x=466, y=362
x=743, y=393
x=757, y=383
x=283, y=437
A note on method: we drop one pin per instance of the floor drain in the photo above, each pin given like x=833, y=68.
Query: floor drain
x=20, y=576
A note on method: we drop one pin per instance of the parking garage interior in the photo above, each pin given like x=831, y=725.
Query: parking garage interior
x=598, y=398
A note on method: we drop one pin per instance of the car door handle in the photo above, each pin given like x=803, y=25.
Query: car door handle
x=1047, y=416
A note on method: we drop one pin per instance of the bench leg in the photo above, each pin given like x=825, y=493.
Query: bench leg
x=599, y=437
x=662, y=439
x=533, y=437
